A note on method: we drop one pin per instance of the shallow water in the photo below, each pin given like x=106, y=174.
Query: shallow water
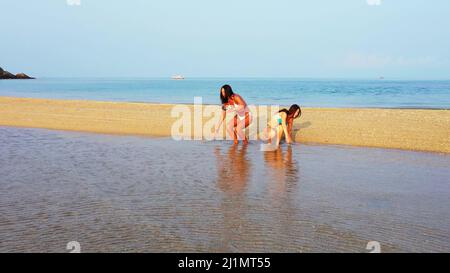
x=123, y=194
x=266, y=91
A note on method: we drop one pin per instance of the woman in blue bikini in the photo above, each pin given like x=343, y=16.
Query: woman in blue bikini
x=281, y=123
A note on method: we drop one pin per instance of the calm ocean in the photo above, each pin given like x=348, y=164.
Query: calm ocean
x=306, y=92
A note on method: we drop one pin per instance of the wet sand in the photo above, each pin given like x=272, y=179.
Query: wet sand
x=409, y=129
x=126, y=194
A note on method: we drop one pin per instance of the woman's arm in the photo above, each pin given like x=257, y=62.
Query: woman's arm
x=289, y=127
x=222, y=118
x=285, y=128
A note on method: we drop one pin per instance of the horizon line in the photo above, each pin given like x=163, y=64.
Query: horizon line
x=381, y=78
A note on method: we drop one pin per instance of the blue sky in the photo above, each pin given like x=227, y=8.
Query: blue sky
x=234, y=38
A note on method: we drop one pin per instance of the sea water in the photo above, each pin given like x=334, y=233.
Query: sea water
x=258, y=91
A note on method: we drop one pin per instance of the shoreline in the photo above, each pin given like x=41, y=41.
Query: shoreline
x=207, y=104
x=398, y=128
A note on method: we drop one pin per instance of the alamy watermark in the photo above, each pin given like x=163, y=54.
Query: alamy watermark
x=73, y=247
x=373, y=247
x=73, y=2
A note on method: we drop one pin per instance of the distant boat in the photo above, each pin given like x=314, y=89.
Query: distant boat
x=381, y=78
x=177, y=77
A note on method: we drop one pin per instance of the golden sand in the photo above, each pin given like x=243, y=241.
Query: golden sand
x=410, y=129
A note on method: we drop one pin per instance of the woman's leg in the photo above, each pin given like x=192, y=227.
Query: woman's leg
x=231, y=129
x=266, y=133
x=240, y=130
x=242, y=124
x=279, y=134
x=270, y=134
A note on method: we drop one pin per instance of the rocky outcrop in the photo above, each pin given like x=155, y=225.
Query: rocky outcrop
x=5, y=75
x=23, y=76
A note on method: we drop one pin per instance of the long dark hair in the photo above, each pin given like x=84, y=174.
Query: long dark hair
x=291, y=112
x=228, y=93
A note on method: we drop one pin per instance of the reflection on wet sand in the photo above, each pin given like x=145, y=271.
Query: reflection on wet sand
x=282, y=169
x=282, y=175
x=234, y=172
x=233, y=169
x=124, y=194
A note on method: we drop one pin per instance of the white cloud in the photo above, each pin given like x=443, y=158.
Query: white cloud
x=374, y=2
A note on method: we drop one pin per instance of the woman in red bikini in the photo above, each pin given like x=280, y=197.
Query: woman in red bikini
x=234, y=104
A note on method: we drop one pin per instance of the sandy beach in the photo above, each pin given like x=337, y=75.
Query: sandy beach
x=409, y=129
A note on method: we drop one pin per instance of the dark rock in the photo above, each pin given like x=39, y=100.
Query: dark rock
x=23, y=76
x=5, y=75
